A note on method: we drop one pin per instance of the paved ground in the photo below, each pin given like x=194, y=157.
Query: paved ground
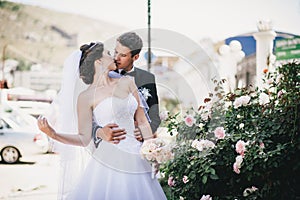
x=34, y=178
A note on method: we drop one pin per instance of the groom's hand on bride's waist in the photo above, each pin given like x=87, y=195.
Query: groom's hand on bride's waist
x=137, y=133
x=111, y=133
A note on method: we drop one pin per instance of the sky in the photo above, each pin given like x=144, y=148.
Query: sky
x=196, y=19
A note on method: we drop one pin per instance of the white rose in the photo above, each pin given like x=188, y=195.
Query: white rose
x=263, y=99
x=241, y=125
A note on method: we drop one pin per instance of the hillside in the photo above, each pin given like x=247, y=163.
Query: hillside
x=35, y=35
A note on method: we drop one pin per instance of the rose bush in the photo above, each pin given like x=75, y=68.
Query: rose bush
x=240, y=145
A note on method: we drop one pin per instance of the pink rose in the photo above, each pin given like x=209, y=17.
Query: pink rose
x=206, y=197
x=219, y=133
x=185, y=179
x=171, y=181
x=240, y=147
x=235, y=168
x=238, y=161
x=280, y=93
x=189, y=120
x=253, y=188
x=237, y=164
x=262, y=145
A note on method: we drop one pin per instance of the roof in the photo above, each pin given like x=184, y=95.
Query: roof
x=249, y=43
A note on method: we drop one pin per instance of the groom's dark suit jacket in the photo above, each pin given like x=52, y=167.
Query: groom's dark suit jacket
x=145, y=79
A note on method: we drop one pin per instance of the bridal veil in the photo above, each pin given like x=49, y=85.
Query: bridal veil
x=63, y=117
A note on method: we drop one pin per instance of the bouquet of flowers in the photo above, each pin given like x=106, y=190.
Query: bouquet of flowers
x=156, y=151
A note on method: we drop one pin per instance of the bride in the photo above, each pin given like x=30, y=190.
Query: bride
x=115, y=169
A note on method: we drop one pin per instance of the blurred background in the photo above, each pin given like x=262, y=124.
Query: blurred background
x=36, y=37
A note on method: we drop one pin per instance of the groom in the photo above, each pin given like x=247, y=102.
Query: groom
x=127, y=50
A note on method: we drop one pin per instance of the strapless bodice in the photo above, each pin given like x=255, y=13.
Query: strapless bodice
x=117, y=110
x=124, y=156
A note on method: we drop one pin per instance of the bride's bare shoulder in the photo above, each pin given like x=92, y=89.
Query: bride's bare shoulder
x=86, y=96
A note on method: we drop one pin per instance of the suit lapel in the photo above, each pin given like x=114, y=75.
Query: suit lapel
x=137, y=76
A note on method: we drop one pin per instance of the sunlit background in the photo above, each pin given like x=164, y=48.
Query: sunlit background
x=196, y=19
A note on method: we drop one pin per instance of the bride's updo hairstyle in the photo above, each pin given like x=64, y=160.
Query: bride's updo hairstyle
x=90, y=53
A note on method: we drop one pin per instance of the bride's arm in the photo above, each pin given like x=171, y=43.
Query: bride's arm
x=140, y=116
x=83, y=137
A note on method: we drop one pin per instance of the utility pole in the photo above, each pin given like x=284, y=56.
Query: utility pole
x=149, y=35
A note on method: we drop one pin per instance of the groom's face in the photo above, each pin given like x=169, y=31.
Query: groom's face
x=123, y=58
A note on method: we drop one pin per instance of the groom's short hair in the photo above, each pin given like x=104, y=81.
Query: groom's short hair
x=132, y=41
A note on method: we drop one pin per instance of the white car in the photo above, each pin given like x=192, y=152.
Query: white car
x=19, y=136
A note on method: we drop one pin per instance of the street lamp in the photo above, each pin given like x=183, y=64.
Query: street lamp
x=149, y=36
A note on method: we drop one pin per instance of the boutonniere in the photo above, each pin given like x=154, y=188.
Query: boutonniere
x=145, y=92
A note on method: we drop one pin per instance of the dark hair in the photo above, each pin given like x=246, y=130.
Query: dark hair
x=90, y=53
x=132, y=41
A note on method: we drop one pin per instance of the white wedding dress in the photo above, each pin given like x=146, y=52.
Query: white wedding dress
x=117, y=171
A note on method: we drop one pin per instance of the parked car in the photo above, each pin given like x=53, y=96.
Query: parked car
x=20, y=136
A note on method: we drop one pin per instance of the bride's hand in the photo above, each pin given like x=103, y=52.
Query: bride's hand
x=45, y=127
